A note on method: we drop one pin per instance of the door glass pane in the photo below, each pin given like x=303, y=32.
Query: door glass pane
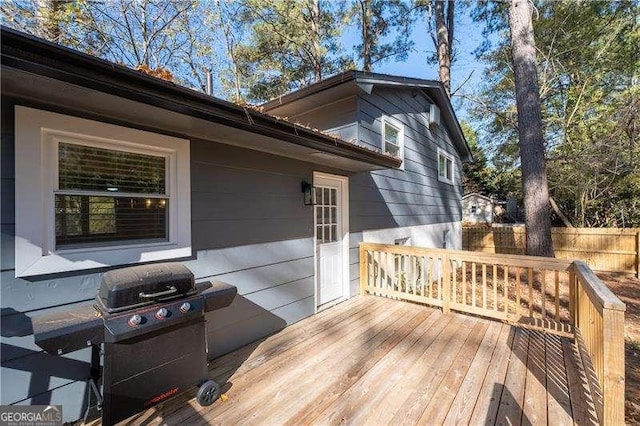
x=327, y=217
x=319, y=215
x=327, y=233
x=333, y=196
x=319, y=233
x=334, y=211
x=334, y=234
x=318, y=193
x=325, y=199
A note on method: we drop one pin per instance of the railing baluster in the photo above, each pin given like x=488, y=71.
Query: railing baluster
x=473, y=284
x=543, y=290
x=423, y=272
x=431, y=262
x=494, y=280
x=454, y=282
x=484, y=286
x=505, y=290
x=530, y=280
x=464, y=282
x=518, y=292
x=414, y=275
x=557, y=295
x=381, y=270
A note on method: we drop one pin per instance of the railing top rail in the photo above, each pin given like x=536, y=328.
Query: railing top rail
x=517, y=260
x=598, y=292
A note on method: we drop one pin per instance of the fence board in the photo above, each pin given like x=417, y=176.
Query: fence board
x=604, y=249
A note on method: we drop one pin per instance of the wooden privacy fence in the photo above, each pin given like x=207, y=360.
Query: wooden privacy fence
x=559, y=295
x=603, y=249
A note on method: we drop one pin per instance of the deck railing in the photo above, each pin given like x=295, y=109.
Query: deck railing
x=599, y=320
x=555, y=294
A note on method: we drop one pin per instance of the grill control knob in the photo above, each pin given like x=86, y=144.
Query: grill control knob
x=162, y=313
x=135, y=320
x=184, y=308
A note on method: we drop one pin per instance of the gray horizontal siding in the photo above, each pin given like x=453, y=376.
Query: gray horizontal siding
x=333, y=118
x=249, y=228
x=409, y=197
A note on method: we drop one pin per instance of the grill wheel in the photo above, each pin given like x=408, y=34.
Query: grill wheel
x=208, y=393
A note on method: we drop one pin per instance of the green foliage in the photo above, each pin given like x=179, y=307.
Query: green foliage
x=290, y=44
x=588, y=63
x=385, y=29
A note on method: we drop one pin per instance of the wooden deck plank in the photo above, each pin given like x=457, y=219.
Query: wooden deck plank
x=413, y=407
x=461, y=409
x=316, y=391
x=348, y=401
x=512, y=397
x=338, y=403
x=372, y=360
x=251, y=388
x=393, y=399
x=558, y=401
x=489, y=397
x=437, y=409
x=582, y=407
x=535, y=396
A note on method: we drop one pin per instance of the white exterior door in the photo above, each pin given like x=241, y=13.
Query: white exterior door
x=330, y=233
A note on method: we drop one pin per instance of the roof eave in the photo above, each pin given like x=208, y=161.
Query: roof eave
x=30, y=54
x=362, y=77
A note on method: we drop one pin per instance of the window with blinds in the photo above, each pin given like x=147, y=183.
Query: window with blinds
x=107, y=197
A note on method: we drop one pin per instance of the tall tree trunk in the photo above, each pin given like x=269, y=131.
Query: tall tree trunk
x=534, y=176
x=366, y=36
x=444, y=38
x=315, y=33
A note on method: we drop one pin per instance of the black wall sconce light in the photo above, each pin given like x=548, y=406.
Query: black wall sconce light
x=309, y=192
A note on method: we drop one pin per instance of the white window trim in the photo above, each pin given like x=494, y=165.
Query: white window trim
x=400, y=127
x=443, y=153
x=37, y=134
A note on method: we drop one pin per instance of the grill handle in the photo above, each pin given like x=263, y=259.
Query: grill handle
x=170, y=290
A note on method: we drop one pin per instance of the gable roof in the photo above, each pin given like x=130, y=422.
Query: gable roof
x=23, y=54
x=365, y=81
x=476, y=194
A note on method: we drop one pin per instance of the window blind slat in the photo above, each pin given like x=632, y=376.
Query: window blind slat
x=87, y=219
x=99, y=169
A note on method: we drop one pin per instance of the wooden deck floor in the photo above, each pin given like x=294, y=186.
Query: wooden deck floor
x=372, y=360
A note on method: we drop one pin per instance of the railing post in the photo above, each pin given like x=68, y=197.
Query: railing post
x=446, y=284
x=573, y=292
x=614, y=374
x=364, y=273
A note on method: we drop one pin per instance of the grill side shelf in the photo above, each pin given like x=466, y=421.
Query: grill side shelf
x=68, y=331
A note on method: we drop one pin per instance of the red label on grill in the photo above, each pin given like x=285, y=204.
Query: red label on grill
x=161, y=397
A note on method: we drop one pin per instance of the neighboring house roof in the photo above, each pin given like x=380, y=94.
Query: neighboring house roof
x=26, y=53
x=475, y=194
x=365, y=81
x=478, y=195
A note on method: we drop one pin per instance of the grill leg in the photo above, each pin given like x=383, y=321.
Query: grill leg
x=94, y=379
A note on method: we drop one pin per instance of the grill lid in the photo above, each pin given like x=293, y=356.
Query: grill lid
x=127, y=288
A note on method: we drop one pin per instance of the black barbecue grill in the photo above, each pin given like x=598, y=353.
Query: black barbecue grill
x=151, y=321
